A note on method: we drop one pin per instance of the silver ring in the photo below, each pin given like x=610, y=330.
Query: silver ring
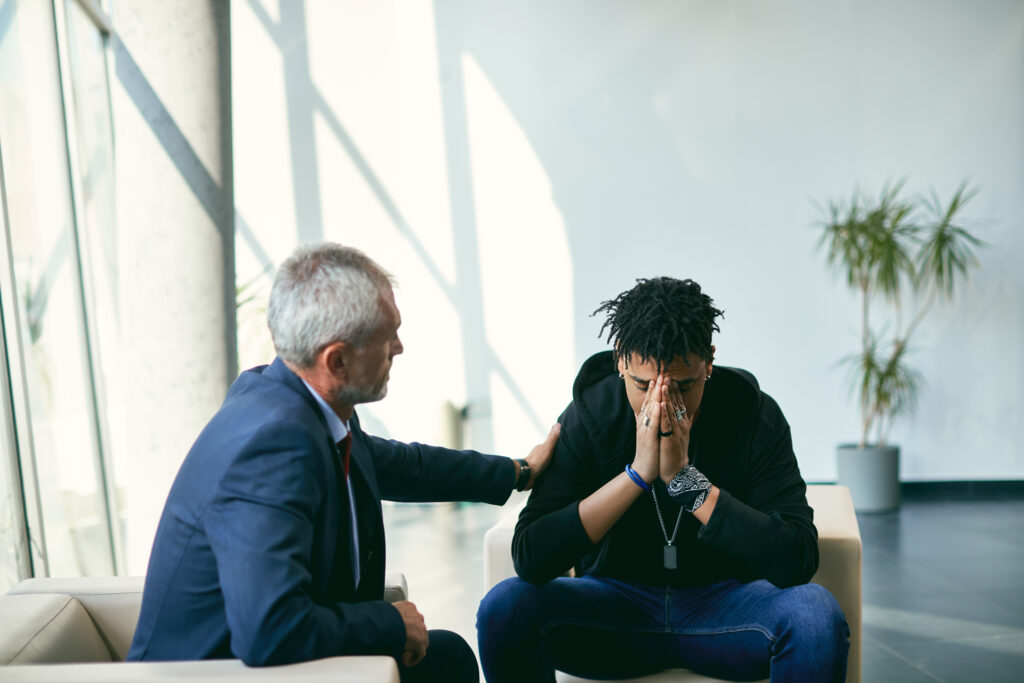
x=647, y=420
x=679, y=414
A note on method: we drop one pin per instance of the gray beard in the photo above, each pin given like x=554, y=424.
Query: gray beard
x=354, y=395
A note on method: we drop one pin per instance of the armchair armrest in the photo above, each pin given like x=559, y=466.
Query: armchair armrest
x=395, y=587
x=335, y=669
x=840, y=559
x=498, y=548
x=97, y=618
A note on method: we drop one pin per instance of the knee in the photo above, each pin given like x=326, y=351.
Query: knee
x=454, y=645
x=507, y=606
x=454, y=657
x=816, y=621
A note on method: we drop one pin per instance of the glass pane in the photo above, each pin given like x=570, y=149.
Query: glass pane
x=60, y=416
x=10, y=538
x=13, y=549
x=97, y=226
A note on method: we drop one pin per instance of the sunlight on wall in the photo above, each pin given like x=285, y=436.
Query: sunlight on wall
x=355, y=94
x=525, y=267
x=364, y=135
x=263, y=172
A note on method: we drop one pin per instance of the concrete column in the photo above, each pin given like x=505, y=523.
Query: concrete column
x=171, y=95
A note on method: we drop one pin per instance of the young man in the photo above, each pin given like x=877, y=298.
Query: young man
x=271, y=544
x=675, y=494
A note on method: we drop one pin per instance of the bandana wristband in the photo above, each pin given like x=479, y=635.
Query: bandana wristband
x=689, y=488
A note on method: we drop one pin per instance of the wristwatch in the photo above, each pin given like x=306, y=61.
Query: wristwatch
x=524, y=474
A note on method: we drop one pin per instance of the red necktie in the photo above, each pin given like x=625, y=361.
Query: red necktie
x=345, y=446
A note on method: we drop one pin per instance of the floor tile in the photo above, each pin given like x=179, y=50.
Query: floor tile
x=1012, y=601
x=881, y=664
x=990, y=574
x=997, y=659
x=939, y=619
x=889, y=578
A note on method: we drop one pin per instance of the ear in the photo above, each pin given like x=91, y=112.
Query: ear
x=712, y=361
x=621, y=366
x=334, y=359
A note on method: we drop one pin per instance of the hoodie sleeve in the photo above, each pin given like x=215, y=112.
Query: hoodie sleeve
x=773, y=531
x=549, y=536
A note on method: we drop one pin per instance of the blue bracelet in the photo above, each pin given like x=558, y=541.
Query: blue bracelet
x=637, y=479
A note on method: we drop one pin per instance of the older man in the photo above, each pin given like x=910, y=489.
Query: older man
x=676, y=566
x=271, y=544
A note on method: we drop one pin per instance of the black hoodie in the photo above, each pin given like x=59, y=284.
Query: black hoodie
x=761, y=527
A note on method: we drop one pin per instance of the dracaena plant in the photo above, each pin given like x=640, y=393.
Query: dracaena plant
x=907, y=254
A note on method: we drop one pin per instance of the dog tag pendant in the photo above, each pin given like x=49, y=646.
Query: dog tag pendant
x=670, y=557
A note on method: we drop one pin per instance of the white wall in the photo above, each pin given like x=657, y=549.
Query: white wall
x=514, y=164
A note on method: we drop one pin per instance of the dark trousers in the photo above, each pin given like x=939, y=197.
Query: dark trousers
x=601, y=628
x=449, y=659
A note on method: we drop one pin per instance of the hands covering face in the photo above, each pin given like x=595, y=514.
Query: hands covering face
x=675, y=432
x=662, y=431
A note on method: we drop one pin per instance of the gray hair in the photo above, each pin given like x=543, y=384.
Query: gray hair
x=322, y=294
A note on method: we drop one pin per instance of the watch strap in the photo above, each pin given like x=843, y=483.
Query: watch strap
x=524, y=474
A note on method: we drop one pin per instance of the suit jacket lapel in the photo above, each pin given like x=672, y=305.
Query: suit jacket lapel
x=368, y=511
x=362, y=461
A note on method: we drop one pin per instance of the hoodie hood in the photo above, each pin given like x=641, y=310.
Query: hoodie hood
x=602, y=409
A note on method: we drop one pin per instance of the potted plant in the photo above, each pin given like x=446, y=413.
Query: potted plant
x=886, y=251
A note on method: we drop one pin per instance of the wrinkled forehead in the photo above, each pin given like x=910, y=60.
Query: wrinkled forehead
x=679, y=368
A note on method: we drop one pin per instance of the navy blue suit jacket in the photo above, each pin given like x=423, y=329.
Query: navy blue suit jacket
x=253, y=553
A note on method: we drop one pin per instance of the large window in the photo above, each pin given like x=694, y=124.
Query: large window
x=57, y=292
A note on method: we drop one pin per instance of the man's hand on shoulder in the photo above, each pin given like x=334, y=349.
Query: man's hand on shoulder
x=415, y=633
x=540, y=457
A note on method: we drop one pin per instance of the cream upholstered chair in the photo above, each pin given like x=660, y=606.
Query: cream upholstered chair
x=81, y=629
x=839, y=570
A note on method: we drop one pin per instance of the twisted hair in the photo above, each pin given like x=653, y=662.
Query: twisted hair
x=658, y=319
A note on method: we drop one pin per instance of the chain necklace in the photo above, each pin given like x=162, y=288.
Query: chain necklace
x=670, y=560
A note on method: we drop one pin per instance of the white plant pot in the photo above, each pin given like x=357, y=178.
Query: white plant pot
x=872, y=475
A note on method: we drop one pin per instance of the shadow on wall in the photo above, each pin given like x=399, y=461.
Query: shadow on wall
x=465, y=292
x=217, y=200
x=596, y=114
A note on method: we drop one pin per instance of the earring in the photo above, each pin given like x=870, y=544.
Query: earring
x=708, y=378
x=621, y=376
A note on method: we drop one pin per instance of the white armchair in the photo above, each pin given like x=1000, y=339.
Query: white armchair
x=81, y=629
x=839, y=570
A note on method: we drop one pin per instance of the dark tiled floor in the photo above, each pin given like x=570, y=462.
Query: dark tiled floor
x=944, y=590
x=943, y=582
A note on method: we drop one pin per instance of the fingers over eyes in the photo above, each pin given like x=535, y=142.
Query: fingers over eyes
x=649, y=397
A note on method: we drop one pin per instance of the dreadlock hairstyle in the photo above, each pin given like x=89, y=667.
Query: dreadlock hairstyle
x=659, y=319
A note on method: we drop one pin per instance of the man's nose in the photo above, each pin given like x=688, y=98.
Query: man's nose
x=396, y=347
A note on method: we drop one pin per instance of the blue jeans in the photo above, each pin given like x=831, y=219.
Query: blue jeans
x=598, y=627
